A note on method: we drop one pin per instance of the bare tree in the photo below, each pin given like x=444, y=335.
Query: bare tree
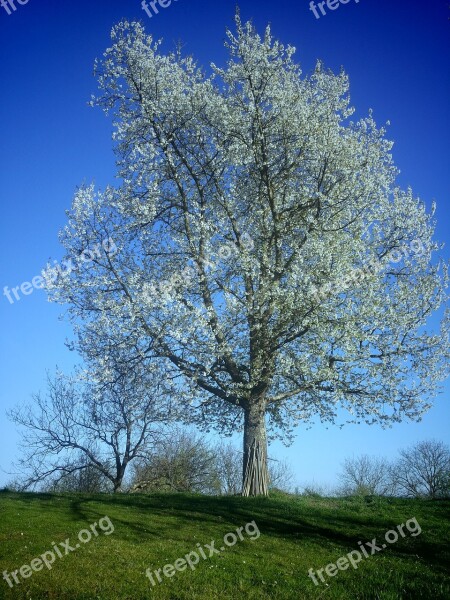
x=79, y=426
x=280, y=475
x=365, y=475
x=423, y=470
x=229, y=468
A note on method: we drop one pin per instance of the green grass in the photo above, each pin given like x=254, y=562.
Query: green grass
x=297, y=533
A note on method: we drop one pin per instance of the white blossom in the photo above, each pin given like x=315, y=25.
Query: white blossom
x=255, y=151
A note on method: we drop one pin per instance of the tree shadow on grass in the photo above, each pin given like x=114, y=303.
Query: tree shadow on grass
x=284, y=520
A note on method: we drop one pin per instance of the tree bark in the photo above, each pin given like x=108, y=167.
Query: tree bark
x=255, y=473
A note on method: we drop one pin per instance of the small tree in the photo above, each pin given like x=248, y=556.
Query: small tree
x=80, y=427
x=423, y=470
x=181, y=461
x=364, y=476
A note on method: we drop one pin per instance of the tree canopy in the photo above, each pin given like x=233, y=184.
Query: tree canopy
x=244, y=194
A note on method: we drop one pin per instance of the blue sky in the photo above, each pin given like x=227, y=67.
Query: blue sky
x=397, y=56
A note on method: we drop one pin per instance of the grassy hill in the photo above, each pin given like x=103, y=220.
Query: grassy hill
x=296, y=534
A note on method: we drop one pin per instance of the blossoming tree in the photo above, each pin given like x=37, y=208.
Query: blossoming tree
x=241, y=194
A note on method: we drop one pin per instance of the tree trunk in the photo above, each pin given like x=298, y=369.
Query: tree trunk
x=255, y=473
x=118, y=484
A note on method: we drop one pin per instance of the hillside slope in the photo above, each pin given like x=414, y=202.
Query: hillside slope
x=108, y=543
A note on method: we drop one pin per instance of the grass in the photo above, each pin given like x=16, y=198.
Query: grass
x=297, y=533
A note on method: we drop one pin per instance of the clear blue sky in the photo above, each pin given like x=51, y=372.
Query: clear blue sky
x=397, y=56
